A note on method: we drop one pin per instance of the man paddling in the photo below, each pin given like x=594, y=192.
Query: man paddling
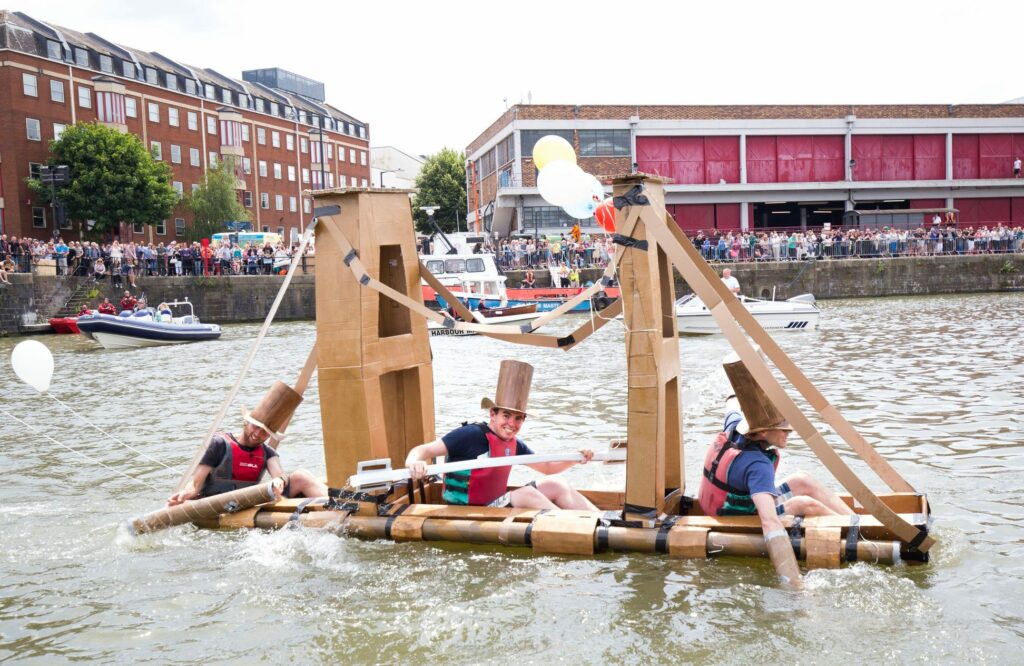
x=497, y=438
x=232, y=462
x=739, y=470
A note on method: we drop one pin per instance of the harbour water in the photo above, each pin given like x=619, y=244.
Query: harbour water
x=933, y=382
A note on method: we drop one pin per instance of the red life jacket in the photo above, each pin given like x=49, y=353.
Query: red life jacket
x=480, y=487
x=239, y=468
x=714, y=482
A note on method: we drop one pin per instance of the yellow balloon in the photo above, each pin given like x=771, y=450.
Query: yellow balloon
x=551, y=148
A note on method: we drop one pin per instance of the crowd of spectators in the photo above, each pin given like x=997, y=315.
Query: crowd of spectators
x=123, y=262
x=594, y=251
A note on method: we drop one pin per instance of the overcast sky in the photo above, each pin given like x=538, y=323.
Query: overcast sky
x=428, y=75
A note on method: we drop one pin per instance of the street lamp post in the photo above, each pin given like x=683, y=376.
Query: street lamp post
x=320, y=142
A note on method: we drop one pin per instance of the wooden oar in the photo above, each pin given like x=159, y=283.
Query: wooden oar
x=378, y=477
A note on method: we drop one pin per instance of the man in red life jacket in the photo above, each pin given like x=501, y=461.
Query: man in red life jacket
x=128, y=302
x=497, y=438
x=232, y=462
x=739, y=468
x=106, y=307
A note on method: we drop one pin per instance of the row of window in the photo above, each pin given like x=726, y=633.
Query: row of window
x=592, y=143
x=178, y=83
x=39, y=222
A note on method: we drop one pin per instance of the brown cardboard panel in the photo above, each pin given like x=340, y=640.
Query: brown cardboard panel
x=239, y=519
x=823, y=547
x=689, y=542
x=564, y=534
x=407, y=528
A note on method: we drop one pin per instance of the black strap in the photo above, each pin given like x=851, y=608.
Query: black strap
x=661, y=540
x=566, y=341
x=528, y=535
x=629, y=241
x=795, y=534
x=711, y=473
x=634, y=197
x=350, y=257
x=852, y=534
x=411, y=487
x=391, y=519
x=647, y=512
x=293, y=520
x=602, y=538
x=922, y=534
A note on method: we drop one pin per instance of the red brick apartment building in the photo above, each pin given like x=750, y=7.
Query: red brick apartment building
x=273, y=124
x=754, y=167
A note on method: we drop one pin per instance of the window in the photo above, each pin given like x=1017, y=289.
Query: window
x=32, y=129
x=128, y=69
x=56, y=91
x=154, y=112
x=329, y=150
x=280, y=231
x=289, y=141
x=175, y=154
x=53, y=49
x=58, y=129
x=243, y=101
x=246, y=166
x=156, y=150
x=30, y=85
x=303, y=145
x=190, y=86
x=261, y=136
x=84, y=97
x=275, y=139
x=245, y=132
x=193, y=121
x=179, y=226
x=150, y=75
x=263, y=168
x=106, y=64
x=291, y=173
x=305, y=175
x=137, y=227
x=273, y=108
x=362, y=157
x=81, y=57
x=213, y=158
x=161, y=228
x=225, y=96
x=302, y=116
x=352, y=155
x=259, y=104
x=266, y=229
x=277, y=171
x=342, y=180
x=293, y=204
x=209, y=91
x=307, y=207
x=172, y=81
x=131, y=107
x=604, y=143
x=195, y=188
x=178, y=187
x=193, y=156
x=278, y=202
x=65, y=223
x=33, y=170
x=247, y=199
x=38, y=217
x=264, y=201
x=172, y=116
x=211, y=124
x=529, y=138
x=364, y=182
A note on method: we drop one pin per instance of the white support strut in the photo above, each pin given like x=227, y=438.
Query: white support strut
x=378, y=477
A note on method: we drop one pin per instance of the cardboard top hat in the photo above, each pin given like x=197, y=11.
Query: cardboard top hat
x=274, y=410
x=759, y=413
x=513, y=391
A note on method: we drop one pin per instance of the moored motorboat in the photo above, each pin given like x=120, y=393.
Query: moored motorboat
x=64, y=325
x=794, y=314
x=147, y=328
x=486, y=315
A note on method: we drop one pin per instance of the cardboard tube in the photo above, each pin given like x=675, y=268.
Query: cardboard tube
x=204, y=508
x=780, y=551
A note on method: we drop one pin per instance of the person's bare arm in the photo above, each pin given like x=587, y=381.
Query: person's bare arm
x=418, y=456
x=556, y=466
x=192, y=489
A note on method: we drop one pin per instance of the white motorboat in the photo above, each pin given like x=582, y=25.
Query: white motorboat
x=794, y=314
x=147, y=328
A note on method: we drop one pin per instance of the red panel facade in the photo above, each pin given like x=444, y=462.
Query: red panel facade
x=692, y=217
x=795, y=158
x=898, y=157
x=829, y=156
x=727, y=216
x=1017, y=211
x=983, y=211
x=652, y=155
x=761, y=159
x=867, y=151
x=722, y=155
x=965, y=156
x=994, y=156
x=691, y=160
x=929, y=157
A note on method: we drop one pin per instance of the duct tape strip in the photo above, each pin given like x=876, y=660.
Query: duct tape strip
x=506, y=526
x=321, y=211
x=725, y=308
x=602, y=537
x=634, y=197
x=293, y=520
x=661, y=540
x=391, y=519
x=528, y=536
x=648, y=513
x=350, y=257
x=629, y=241
x=852, y=534
x=357, y=495
x=795, y=534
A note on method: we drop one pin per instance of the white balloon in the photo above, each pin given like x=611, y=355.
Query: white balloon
x=33, y=363
x=558, y=182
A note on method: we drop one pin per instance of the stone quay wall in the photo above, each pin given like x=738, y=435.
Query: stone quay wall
x=33, y=299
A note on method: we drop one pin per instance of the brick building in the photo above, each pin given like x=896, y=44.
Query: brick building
x=754, y=167
x=273, y=125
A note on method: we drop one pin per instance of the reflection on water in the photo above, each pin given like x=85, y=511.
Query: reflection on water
x=934, y=383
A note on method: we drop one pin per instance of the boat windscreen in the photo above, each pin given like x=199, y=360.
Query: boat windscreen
x=682, y=300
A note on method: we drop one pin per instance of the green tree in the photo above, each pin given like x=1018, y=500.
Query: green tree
x=114, y=178
x=442, y=182
x=214, y=202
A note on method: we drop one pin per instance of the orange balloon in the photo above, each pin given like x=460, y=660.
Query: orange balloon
x=605, y=215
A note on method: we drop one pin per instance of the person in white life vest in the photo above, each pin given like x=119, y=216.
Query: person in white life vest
x=732, y=283
x=739, y=468
x=497, y=438
x=232, y=462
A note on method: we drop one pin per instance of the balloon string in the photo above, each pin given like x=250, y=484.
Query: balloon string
x=92, y=460
x=102, y=432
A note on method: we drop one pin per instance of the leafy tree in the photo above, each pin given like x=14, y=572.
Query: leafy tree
x=442, y=182
x=114, y=179
x=215, y=202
